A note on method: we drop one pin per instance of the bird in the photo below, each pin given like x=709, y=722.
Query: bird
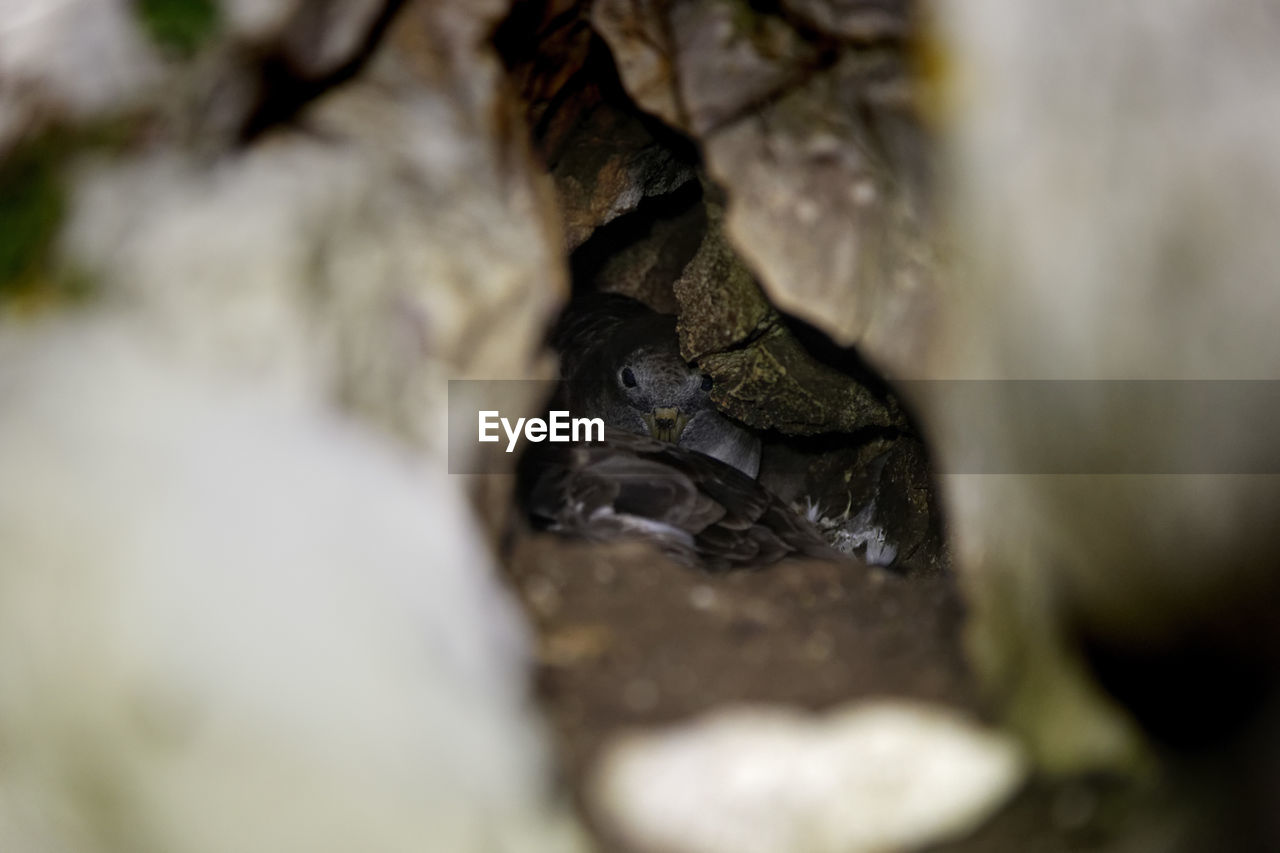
x=699, y=510
x=671, y=468
x=620, y=361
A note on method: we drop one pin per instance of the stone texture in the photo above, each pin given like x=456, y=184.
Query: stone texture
x=274, y=585
x=698, y=65
x=729, y=60
x=646, y=268
x=854, y=20
x=608, y=167
x=552, y=57
x=1071, y=275
x=822, y=216
x=816, y=143
x=258, y=21
x=639, y=38
x=322, y=35
x=260, y=597
x=366, y=267
x=69, y=61
x=763, y=376
x=864, y=777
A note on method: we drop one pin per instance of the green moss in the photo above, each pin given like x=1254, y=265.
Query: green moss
x=180, y=26
x=50, y=292
x=32, y=203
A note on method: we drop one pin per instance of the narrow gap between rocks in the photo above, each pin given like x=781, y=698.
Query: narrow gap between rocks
x=630, y=638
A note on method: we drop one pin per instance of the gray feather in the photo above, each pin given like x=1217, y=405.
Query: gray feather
x=698, y=509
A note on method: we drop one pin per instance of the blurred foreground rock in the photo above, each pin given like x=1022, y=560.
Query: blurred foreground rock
x=232, y=622
x=242, y=607
x=1117, y=185
x=865, y=777
x=392, y=240
x=70, y=61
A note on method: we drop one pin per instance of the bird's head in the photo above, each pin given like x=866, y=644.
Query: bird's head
x=661, y=391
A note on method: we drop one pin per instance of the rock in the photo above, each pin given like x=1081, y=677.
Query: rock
x=257, y=21
x=763, y=376
x=865, y=777
x=321, y=36
x=211, y=595
x=553, y=58
x=646, y=268
x=701, y=64
x=609, y=166
x=69, y=62
x=729, y=60
x=272, y=584
x=364, y=261
x=775, y=384
x=1162, y=583
x=853, y=20
x=815, y=141
x=823, y=219
x=721, y=306
x=639, y=39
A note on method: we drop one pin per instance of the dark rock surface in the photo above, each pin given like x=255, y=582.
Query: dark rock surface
x=807, y=118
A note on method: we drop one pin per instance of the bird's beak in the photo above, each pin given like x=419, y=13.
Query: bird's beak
x=666, y=424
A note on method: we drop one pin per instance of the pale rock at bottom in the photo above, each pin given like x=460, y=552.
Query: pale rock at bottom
x=869, y=776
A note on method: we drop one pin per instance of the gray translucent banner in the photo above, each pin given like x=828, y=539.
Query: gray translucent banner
x=990, y=427
x=1101, y=427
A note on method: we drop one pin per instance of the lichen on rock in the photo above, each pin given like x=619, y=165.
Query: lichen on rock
x=816, y=144
x=763, y=376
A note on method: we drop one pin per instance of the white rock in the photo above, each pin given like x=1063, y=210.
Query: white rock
x=871, y=776
x=258, y=20
x=75, y=57
x=234, y=622
x=366, y=263
x=242, y=607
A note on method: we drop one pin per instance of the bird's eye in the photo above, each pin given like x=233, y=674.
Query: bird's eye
x=628, y=377
x=706, y=382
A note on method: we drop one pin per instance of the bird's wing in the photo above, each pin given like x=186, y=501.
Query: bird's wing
x=700, y=510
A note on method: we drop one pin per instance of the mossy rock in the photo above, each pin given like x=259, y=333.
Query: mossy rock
x=763, y=376
x=32, y=206
x=179, y=26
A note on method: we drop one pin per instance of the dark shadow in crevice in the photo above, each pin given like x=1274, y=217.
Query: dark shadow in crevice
x=520, y=40
x=612, y=238
x=284, y=91
x=615, y=96
x=846, y=360
x=1190, y=694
